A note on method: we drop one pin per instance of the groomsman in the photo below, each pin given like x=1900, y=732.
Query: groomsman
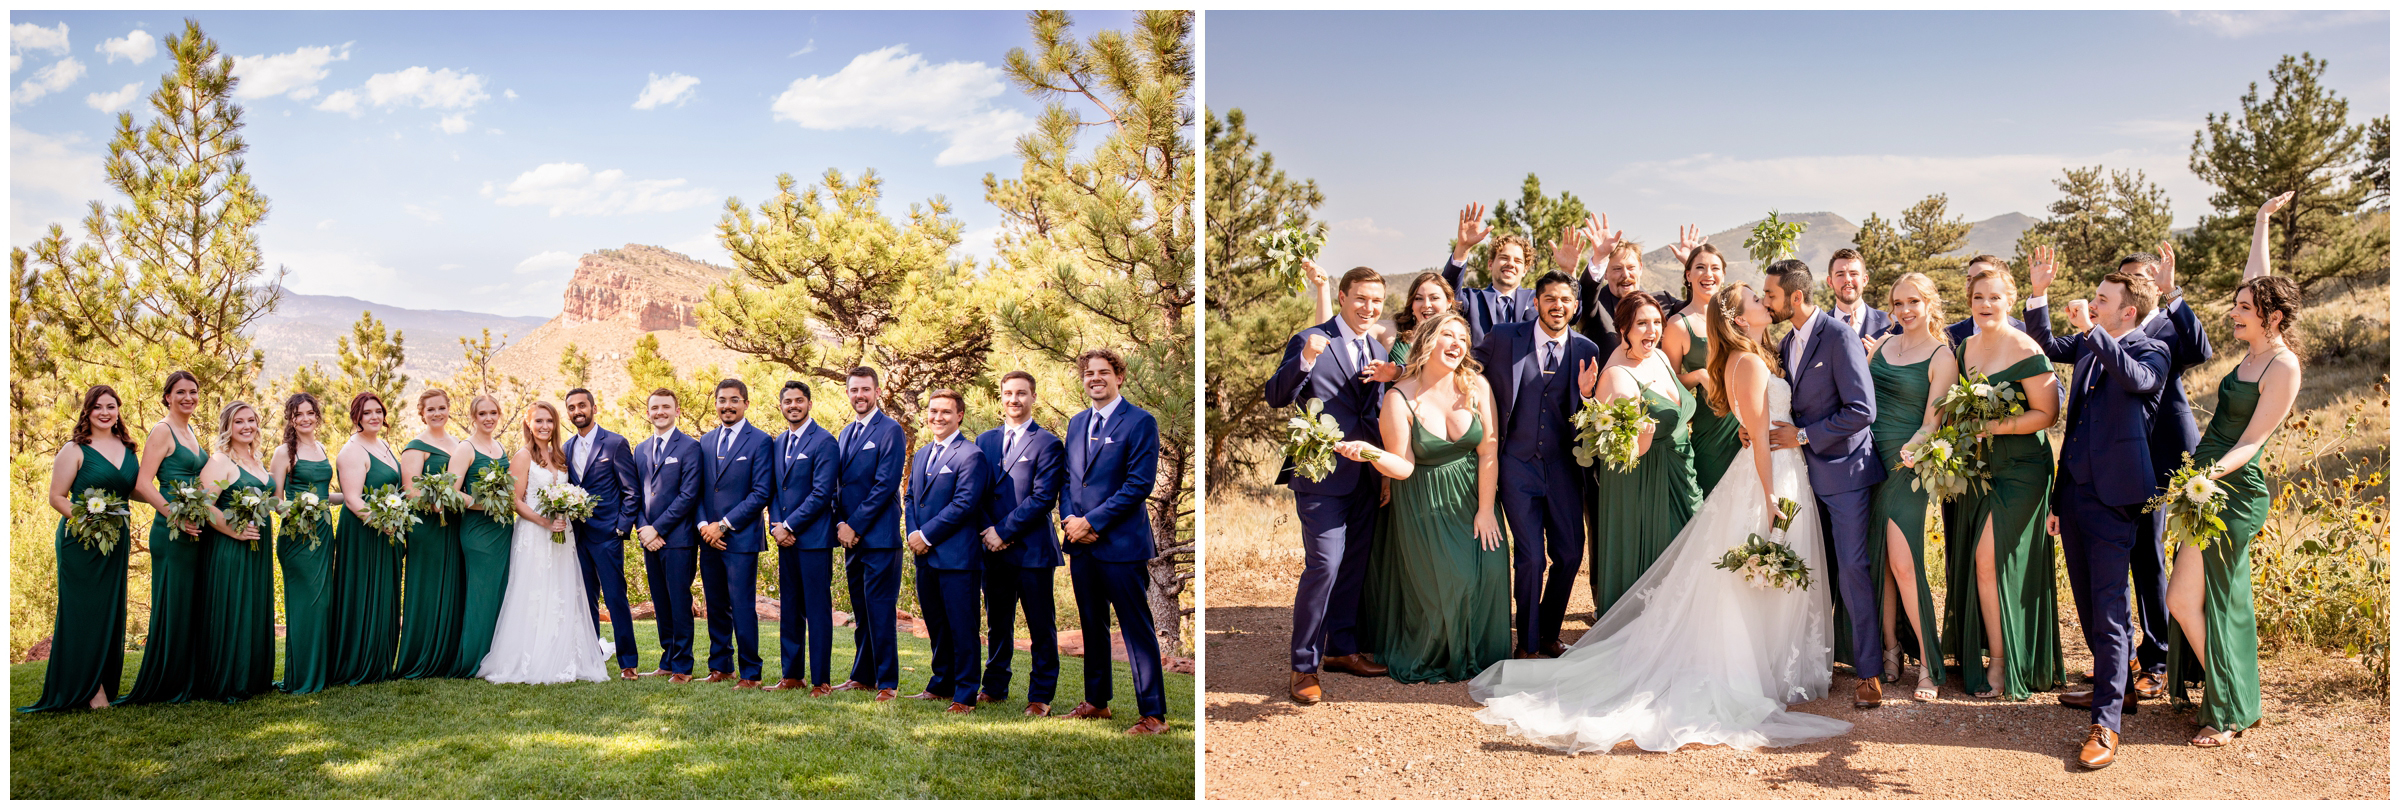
x=1539, y=372
x=1112, y=462
x=599, y=461
x=1614, y=274
x=1329, y=362
x=666, y=527
x=2105, y=476
x=1021, y=554
x=945, y=528
x=874, y=451
x=2174, y=325
x=807, y=483
x=737, y=480
x=1504, y=301
x=1846, y=275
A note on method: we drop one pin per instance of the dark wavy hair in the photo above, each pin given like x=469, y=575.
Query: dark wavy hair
x=358, y=409
x=2269, y=296
x=1406, y=318
x=179, y=375
x=1630, y=304
x=291, y=408
x=83, y=420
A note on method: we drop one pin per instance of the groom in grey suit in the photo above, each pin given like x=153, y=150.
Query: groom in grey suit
x=1833, y=400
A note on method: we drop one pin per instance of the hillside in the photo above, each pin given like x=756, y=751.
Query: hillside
x=303, y=328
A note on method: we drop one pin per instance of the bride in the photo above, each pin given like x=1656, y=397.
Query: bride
x=1691, y=653
x=545, y=634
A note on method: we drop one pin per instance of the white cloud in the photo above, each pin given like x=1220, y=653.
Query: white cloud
x=810, y=48
x=673, y=88
x=573, y=188
x=548, y=263
x=136, y=46
x=454, y=124
x=422, y=212
x=1364, y=227
x=2155, y=129
x=437, y=89
x=295, y=73
x=49, y=80
x=2239, y=24
x=325, y=225
x=511, y=94
x=495, y=131
x=50, y=181
x=341, y=101
x=114, y=101
x=980, y=243
x=349, y=273
x=24, y=37
x=899, y=91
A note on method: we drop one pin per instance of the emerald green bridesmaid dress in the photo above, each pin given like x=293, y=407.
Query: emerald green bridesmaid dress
x=1436, y=603
x=171, y=657
x=1715, y=439
x=2229, y=699
x=366, y=591
x=431, y=599
x=2024, y=556
x=1900, y=394
x=241, y=607
x=1641, y=510
x=87, y=640
x=483, y=540
x=307, y=586
x=1399, y=352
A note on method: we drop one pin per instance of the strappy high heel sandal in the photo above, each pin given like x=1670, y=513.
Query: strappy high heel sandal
x=1891, y=664
x=1928, y=689
x=2217, y=740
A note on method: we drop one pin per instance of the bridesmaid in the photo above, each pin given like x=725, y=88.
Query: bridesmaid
x=2209, y=595
x=483, y=540
x=170, y=658
x=1908, y=368
x=306, y=552
x=241, y=568
x=366, y=573
x=87, y=640
x=430, y=600
x=1715, y=439
x=1642, y=509
x=2002, y=590
x=1437, y=590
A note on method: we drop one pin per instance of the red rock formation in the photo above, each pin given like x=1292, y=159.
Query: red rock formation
x=649, y=288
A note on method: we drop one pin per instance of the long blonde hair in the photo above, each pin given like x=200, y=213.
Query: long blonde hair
x=223, y=441
x=547, y=454
x=1421, y=341
x=1724, y=339
x=1933, y=299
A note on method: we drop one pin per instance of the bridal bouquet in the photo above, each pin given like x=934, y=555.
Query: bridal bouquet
x=1611, y=431
x=98, y=517
x=304, y=513
x=187, y=505
x=249, y=506
x=1944, y=470
x=2193, y=505
x=493, y=489
x=388, y=512
x=1309, y=440
x=562, y=500
x=1766, y=562
x=1285, y=249
x=438, y=493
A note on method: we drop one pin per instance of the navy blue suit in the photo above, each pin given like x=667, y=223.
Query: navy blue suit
x=1541, y=488
x=2105, y=476
x=1960, y=331
x=670, y=503
x=1833, y=402
x=1337, y=515
x=2173, y=434
x=1875, y=322
x=945, y=504
x=600, y=541
x=1485, y=307
x=874, y=454
x=736, y=482
x=1025, y=484
x=1596, y=310
x=807, y=483
x=1110, y=473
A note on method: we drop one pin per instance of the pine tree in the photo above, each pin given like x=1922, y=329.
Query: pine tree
x=369, y=359
x=2101, y=216
x=1250, y=314
x=1925, y=240
x=2298, y=138
x=651, y=371
x=574, y=368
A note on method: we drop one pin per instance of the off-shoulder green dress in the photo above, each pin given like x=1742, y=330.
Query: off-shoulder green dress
x=433, y=592
x=483, y=541
x=2025, y=558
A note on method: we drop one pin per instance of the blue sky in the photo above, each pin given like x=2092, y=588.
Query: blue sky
x=464, y=160
x=1713, y=118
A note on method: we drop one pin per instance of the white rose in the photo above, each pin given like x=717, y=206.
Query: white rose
x=96, y=505
x=1942, y=445
x=1983, y=389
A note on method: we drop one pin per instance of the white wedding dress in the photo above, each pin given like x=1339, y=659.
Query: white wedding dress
x=545, y=633
x=1692, y=653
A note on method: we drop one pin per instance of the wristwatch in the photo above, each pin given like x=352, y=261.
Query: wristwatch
x=2171, y=295
x=1803, y=433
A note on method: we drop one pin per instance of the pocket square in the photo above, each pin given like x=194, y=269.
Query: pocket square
x=1024, y=459
x=945, y=470
x=741, y=458
x=674, y=460
x=799, y=457
x=867, y=446
x=1820, y=364
x=1109, y=440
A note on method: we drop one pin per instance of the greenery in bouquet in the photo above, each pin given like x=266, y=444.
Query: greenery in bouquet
x=493, y=491
x=1945, y=470
x=252, y=507
x=2193, y=506
x=388, y=511
x=100, y=518
x=437, y=492
x=303, y=513
x=1766, y=562
x=1285, y=249
x=563, y=500
x=1309, y=440
x=187, y=505
x=1612, y=432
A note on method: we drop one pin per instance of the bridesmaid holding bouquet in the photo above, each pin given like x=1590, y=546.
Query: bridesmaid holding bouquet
x=178, y=569
x=306, y=552
x=241, y=565
x=366, y=584
x=87, y=642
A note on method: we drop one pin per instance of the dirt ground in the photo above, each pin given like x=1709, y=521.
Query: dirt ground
x=2326, y=735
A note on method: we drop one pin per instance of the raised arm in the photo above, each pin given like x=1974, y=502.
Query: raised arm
x=2139, y=370
x=2043, y=270
x=2258, y=237
x=1323, y=287
x=1471, y=231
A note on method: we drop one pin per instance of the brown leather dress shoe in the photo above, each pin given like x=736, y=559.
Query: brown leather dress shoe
x=1526, y=654
x=717, y=677
x=1870, y=694
x=785, y=685
x=2083, y=700
x=1553, y=649
x=627, y=673
x=885, y=695
x=1305, y=690
x=1357, y=664
x=2146, y=686
x=745, y=683
x=958, y=708
x=1037, y=710
x=820, y=690
x=660, y=672
x=925, y=696
x=849, y=685
x=679, y=678
x=983, y=698
x=1086, y=711
x=2099, y=749
x=1149, y=725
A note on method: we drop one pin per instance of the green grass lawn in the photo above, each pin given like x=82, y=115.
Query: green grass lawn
x=463, y=739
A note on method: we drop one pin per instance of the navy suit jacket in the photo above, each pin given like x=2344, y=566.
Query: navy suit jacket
x=609, y=477
x=1512, y=364
x=1596, y=310
x=945, y=501
x=670, y=489
x=1354, y=405
x=1484, y=306
x=1024, y=488
x=737, y=486
x=871, y=468
x=1109, y=478
x=1960, y=331
x=807, y=482
x=2174, y=432
x=2118, y=380
x=1878, y=322
x=1833, y=399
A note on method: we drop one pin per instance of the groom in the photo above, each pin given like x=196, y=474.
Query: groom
x=599, y=461
x=1834, y=402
